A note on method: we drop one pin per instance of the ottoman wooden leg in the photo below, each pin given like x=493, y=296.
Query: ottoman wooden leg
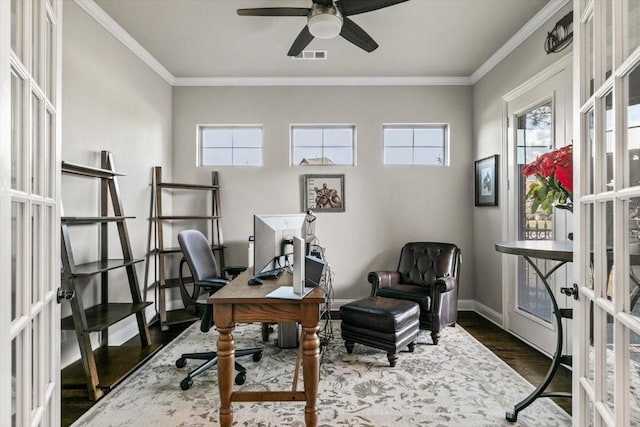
x=392, y=359
x=412, y=346
x=349, y=346
x=435, y=336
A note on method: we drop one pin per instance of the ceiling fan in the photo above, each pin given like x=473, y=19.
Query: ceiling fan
x=327, y=19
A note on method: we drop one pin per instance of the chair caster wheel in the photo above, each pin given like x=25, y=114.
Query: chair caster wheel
x=241, y=378
x=256, y=357
x=181, y=363
x=511, y=416
x=186, y=383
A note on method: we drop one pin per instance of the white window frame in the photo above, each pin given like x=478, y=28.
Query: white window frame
x=201, y=148
x=445, y=144
x=293, y=146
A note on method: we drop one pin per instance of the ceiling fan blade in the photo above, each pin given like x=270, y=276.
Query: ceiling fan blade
x=275, y=11
x=303, y=39
x=356, y=35
x=354, y=7
x=323, y=2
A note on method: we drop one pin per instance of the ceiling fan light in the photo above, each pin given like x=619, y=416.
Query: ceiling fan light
x=325, y=25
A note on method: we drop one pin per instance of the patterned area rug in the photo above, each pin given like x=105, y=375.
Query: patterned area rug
x=459, y=382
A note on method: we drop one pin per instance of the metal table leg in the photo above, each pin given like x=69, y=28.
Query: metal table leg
x=558, y=358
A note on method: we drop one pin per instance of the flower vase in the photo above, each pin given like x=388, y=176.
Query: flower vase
x=564, y=206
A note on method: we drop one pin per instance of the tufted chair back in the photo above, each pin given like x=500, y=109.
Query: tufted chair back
x=421, y=263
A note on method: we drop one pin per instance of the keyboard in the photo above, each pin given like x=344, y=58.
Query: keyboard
x=270, y=274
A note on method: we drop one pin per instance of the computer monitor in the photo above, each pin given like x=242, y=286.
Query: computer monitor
x=273, y=236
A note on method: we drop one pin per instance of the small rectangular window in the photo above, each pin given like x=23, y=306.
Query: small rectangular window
x=424, y=144
x=318, y=145
x=230, y=145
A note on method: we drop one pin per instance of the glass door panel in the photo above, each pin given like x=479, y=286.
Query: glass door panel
x=534, y=131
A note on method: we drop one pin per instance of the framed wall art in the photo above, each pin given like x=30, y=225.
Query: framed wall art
x=324, y=193
x=487, y=181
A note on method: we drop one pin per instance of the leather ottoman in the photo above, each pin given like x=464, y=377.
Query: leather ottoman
x=384, y=323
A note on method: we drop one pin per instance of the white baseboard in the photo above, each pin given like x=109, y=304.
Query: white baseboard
x=488, y=313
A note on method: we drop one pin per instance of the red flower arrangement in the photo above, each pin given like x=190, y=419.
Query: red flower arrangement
x=554, y=174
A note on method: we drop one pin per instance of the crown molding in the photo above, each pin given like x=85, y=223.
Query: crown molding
x=97, y=13
x=125, y=38
x=322, y=81
x=538, y=20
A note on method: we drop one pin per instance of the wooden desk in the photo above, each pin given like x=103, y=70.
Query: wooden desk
x=240, y=303
x=561, y=251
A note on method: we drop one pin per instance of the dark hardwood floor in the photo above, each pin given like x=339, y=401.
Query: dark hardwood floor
x=528, y=362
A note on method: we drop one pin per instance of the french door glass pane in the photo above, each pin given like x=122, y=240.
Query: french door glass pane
x=609, y=224
x=634, y=25
x=534, y=136
x=590, y=149
x=36, y=250
x=609, y=138
x=610, y=362
x=591, y=366
x=36, y=145
x=633, y=127
x=49, y=56
x=35, y=366
x=17, y=16
x=16, y=380
x=17, y=259
x=590, y=242
x=17, y=132
x=634, y=256
x=35, y=40
x=50, y=150
x=589, y=55
x=608, y=39
x=634, y=377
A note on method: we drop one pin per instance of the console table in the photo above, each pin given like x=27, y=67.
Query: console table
x=240, y=303
x=561, y=251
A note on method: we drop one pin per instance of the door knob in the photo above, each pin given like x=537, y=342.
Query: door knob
x=571, y=292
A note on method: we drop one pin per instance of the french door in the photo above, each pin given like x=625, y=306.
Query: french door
x=606, y=380
x=30, y=34
x=538, y=120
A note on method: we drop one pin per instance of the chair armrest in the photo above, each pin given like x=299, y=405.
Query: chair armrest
x=444, y=284
x=212, y=284
x=382, y=279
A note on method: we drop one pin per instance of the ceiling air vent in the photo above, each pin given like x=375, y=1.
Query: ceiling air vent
x=319, y=55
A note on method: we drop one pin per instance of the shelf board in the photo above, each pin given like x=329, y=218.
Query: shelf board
x=95, y=267
x=113, y=363
x=101, y=316
x=174, y=282
x=180, y=217
x=176, y=185
x=77, y=169
x=179, y=316
x=71, y=220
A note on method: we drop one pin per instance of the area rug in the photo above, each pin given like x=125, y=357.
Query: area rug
x=459, y=382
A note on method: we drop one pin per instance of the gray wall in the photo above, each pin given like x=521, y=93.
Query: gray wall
x=385, y=206
x=522, y=64
x=111, y=101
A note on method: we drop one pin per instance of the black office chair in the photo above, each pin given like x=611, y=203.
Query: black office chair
x=206, y=280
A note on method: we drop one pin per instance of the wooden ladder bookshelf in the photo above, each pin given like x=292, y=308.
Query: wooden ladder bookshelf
x=101, y=369
x=159, y=234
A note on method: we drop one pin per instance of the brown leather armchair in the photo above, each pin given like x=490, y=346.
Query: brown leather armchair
x=428, y=274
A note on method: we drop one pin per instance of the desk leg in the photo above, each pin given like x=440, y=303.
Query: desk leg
x=226, y=362
x=311, y=366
